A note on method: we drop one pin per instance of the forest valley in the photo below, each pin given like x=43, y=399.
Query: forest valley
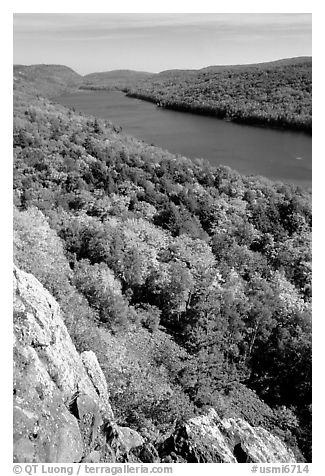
x=191, y=283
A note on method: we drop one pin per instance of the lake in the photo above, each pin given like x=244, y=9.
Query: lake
x=276, y=154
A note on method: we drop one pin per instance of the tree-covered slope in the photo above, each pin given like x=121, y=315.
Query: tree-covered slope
x=191, y=283
x=274, y=94
x=116, y=79
x=46, y=80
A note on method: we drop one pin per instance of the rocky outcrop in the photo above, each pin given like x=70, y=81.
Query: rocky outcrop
x=62, y=412
x=61, y=404
x=98, y=380
x=209, y=439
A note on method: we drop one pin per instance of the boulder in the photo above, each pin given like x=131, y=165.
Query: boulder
x=255, y=444
x=122, y=441
x=197, y=441
x=128, y=439
x=210, y=439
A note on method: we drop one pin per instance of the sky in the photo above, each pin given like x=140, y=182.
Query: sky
x=158, y=41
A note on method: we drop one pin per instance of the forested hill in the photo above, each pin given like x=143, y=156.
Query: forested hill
x=45, y=80
x=191, y=283
x=116, y=79
x=53, y=80
x=277, y=94
x=232, y=67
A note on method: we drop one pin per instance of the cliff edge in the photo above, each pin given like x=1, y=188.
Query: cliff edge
x=62, y=411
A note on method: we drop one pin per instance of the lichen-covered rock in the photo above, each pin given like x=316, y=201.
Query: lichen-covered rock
x=93, y=457
x=121, y=441
x=57, y=410
x=128, y=439
x=38, y=325
x=255, y=444
x=98, y=380
x=209, y=439
x=87, y=412
x=44, y=429
x=197, y=441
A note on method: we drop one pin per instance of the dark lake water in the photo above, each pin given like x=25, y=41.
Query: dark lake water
x=276, y=154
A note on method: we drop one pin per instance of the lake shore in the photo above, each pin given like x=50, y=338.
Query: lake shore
x=249, y=149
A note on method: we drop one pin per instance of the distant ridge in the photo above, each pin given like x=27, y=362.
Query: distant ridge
x=268, y=64
x=116, y=78
x=118, y=73
x=45, y=79
x=263, y=65
x=54, y=79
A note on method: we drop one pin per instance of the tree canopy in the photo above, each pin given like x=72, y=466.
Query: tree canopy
x=186, y=280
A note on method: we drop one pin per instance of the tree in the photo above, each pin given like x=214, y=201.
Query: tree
x=103, y=292
x=38, y=250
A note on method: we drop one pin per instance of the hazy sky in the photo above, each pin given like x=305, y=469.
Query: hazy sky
x=158, y=41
